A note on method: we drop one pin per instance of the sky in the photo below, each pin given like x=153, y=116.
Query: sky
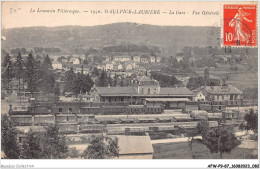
x=20, y=14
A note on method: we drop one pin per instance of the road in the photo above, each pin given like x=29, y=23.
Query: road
x=173, y=140
x=185, y=139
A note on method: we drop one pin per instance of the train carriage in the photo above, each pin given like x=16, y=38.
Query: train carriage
x=22, y=120
x=43, y=120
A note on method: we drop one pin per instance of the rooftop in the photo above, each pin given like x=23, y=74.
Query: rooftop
x=134, y=145
x=223, y=90
x=123, y=91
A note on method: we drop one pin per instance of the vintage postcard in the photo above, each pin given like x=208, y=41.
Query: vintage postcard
x=129, y=80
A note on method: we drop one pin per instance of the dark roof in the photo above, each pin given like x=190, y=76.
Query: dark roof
x=223, y=90
x=144, y=78
x=116, y=90
x=180, y=91
x=128, y=91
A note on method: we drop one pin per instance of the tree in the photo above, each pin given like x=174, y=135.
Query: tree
x=31, y=148
x=60, y=58
x=56, y=90
x=82, y=83
x=31, y=73
x=95, y=71
x=115, y=80
x=102, y=147
x=19, y=67
x=195, y=82
x=9, y=142
x=251, y=93
x=54, y=144
x=48, y=82
x=103, y=79
x=73, y=153
x=202, y=128
x=47, y=65
x=221, y=140
x=7, y=72
x=109, y=80
x=251, y=119
x=70, y=78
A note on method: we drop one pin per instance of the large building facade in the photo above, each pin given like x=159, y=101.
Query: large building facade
x=144, y=87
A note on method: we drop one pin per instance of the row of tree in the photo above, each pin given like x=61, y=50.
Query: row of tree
x=36, y=75
x=222, y=139
x=77, y=82
x=165, y=80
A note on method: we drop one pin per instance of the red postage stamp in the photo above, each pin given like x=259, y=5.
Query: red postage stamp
x=239, y=27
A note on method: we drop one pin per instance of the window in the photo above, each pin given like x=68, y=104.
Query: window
x=60, y=110
x=148, y=91
x=70, y=109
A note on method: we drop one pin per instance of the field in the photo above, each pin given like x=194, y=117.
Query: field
x=241, y=79
x=182, y=150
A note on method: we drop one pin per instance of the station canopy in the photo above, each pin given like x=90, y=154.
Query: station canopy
x=167, y=99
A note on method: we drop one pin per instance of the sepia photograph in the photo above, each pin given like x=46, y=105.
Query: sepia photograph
x=129, y=80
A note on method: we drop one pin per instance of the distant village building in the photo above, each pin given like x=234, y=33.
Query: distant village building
x=129, y=66
x=79, y=70
x=152, y=59
x=108, y=58
x=144, y=60
x=56, y=65
x=158, y=59
x=75, y=61
x=109, y=66
x=118, y=66
x=137, y=59
x=179, y=58
x=122, y=58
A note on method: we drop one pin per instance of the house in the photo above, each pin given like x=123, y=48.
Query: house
x=56, y=65
x=75, y=61
x=122, y=58
x=109, y=66
x=129, y=66
x=198, y=96
x=193, y=59
x=179, y=58
x=158, y=59
x=152, y=59
x=118, y=66
x=130, y=147
x=108, y=58
x=136, y=59
x=144, y=60
x=227, y=93
x=79, y=70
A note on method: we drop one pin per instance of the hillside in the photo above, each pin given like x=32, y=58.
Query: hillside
x=68, y=37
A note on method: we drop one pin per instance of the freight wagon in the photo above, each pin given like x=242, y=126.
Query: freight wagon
x=66, y=118
x=43, y=120
x=69, y=128
x=22, y=120
x=91, y=128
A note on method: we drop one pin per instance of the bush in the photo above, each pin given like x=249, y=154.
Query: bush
x=73, y=153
